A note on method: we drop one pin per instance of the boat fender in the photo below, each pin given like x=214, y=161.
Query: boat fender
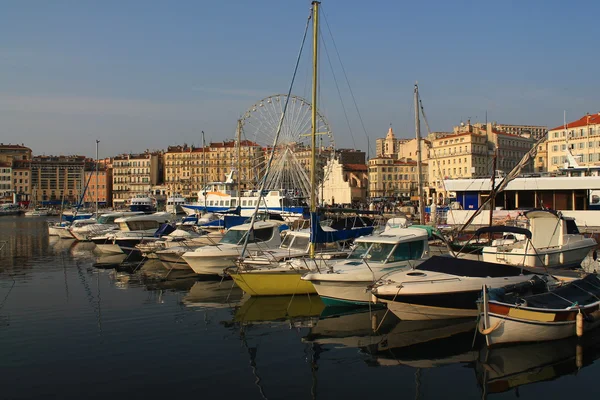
x=579, y=324
x=488, y=330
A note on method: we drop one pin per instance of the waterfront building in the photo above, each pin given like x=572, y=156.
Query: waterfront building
x=135, y=174
x=6, y=187
x=56, y=177
x=407, y=148
x=392, y=178
x=103, y=184
x=188, y=169
x=346, y=179
x=21, y=182
x=14, y=152
x=541, y=159
x=582, y=137
x=535, y=131
x=468, y=152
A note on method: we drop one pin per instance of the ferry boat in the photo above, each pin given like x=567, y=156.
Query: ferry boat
x=222, y=197
x=174, y=204
x=142, y=203
x=574, y=191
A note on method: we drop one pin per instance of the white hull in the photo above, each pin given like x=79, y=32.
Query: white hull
x=514, y=331
x=415, y=312
x=64, y=233
x=84, y=235
x=211, y=265
x=347, y=292
x=551, y=258
x=109, y=248
x=53, y=230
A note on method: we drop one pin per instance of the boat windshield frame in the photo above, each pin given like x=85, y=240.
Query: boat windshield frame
x=366, y=251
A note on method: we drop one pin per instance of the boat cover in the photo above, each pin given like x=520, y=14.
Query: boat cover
x=471, y=268
x=580, y=292
x=503, y=229
x=318, y=235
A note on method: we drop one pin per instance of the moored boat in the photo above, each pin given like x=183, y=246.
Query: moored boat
x=213, y=259
x=345, y=282
x=554, y=241
x=556, y=313
x=443, y=287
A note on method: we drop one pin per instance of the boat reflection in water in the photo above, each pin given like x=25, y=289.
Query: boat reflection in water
x=425, y=344
x=212, y=294
x=504, y=368
x=359, y=327
x=300, y=311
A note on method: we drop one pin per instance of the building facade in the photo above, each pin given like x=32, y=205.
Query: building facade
x=345, y=183
x=398, y=179
x=535, y=131
x=6, y=187
x=56, y=178
x=188, y=169
x=102, y=185
x=541, y=159
x=14, y=152
x=582, y=137
x=21, y=181
x=134, y=174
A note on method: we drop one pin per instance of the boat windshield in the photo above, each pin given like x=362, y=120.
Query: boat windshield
x=374, y=251
x=105, y=219
x=232, y=237
x=301, y=243
x=287, y=241
x=238, y=237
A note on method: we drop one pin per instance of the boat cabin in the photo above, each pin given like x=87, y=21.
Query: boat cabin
x=397, y=244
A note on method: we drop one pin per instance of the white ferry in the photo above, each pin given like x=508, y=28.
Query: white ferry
x=222, y=197
x=574, y=191
x=174, y=204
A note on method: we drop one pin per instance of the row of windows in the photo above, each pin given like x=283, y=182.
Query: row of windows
x=577, y=132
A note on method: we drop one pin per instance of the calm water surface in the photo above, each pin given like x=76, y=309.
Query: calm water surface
x=71, y=330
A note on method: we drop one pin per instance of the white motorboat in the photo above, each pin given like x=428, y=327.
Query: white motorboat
x=211, y=260
x=38, y=212
x=63, y=229
x=142, y=203
x=554, y=241
x=104, y=224
x=443, y=287
x=346, y=282
x=174, y=204
x=132, y=231
x=187, y=238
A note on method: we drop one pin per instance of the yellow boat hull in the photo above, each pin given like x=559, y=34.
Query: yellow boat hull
x=273, y=283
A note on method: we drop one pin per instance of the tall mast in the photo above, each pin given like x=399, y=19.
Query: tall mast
x=97, y=141
x=313, y=137
x=204, y=169
x=239, y=162
x=419, y=174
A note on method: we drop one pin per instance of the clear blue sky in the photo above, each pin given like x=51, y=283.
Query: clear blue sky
x=148, y=74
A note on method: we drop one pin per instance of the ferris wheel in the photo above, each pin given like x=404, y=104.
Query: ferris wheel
x=290, y=169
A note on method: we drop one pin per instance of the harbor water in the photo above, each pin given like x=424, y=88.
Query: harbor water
x=72, y=327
